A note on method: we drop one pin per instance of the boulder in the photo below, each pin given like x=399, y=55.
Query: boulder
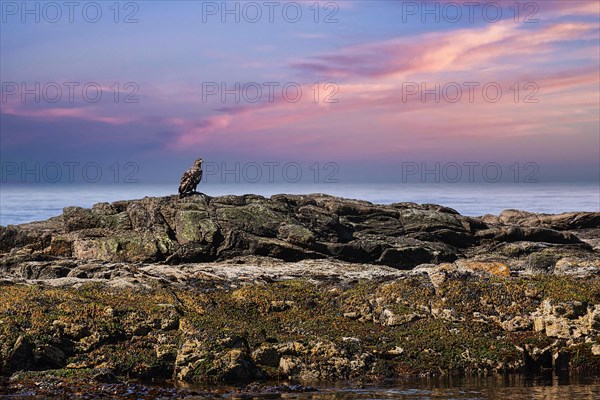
x=297, y=227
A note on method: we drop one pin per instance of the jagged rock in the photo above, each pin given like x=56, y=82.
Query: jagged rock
x=518, y=323
x=557, y=327
x=20, y=356
x=518, y=233
x=566, y=221
x=293, y=228
x=566, y=320
x=389, y=318
x=302, y=286
x=266, y=355
x=232, y=327
x=104, y=375
x=290, y=366
x=490, y=267
x=235, y=365
x=190, y=357
x=571, y=266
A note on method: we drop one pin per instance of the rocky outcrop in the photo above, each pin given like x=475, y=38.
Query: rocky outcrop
x=315, y=287
x=204, y=324
x=566, y=221
x=293, y=228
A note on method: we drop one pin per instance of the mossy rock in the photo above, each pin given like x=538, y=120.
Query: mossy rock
x=255, y=218
x=123, y=246
x=542, y=261
x=296, y=234
x=195, y=226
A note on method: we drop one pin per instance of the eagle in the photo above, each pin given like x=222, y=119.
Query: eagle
x=190, y=179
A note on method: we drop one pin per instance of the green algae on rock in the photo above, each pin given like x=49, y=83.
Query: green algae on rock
x=294, y=228
x=304, y=330
x=312, y=287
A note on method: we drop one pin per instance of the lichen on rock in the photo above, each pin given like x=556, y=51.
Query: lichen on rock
x=236, y=288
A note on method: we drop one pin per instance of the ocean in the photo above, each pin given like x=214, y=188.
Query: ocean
x=26, y=203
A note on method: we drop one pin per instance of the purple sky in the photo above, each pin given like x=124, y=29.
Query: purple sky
x=398, y=82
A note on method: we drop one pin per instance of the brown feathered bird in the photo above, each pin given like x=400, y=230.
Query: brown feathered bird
x=190, y=179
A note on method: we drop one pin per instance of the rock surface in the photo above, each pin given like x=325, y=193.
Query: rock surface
x=293, y=228
x=301, y=287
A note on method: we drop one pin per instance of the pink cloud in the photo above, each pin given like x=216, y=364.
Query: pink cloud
x=372, y=86
x=460, y=50
x=88, y=113
x=194, y=133
x=372, y=118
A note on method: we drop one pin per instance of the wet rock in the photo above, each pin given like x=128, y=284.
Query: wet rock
x=48, y=356
x=233, y=342
x=266, y=355
x=191, y=356
x=561, y=360
x=166, y=353
x=316, y=287
x=235, y=365
x=569, y=309
x=537, y=359
x=20, y=356
x=290, y=366
x=104, y=375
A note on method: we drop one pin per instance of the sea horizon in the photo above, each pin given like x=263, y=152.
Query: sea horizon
x=28, y=203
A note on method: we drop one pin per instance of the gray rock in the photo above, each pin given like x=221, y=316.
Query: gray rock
x=291, y=228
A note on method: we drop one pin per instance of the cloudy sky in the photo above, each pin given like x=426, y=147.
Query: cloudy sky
x=367, y=85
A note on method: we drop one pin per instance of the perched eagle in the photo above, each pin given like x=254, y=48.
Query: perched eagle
x=190, y=179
